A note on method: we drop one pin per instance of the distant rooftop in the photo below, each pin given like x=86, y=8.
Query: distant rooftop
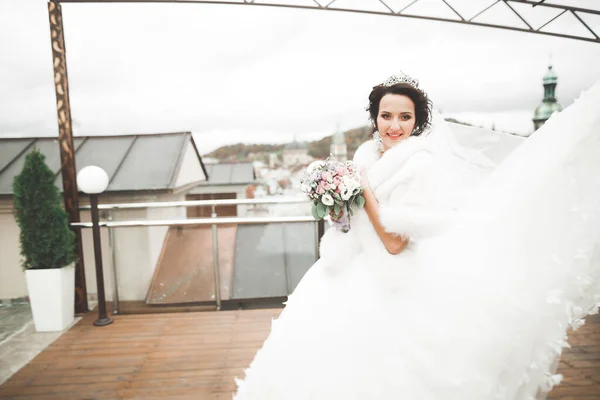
x=229, y=174
x=141, y=162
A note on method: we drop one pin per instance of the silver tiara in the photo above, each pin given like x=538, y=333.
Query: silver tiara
x=401, y=78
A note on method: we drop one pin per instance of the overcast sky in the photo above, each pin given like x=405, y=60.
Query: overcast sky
x=264, y=74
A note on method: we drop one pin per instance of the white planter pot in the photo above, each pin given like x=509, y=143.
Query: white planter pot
x=52, y=297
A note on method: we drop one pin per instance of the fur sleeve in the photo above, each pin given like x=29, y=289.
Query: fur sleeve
x=415, y=208
x=366, y=154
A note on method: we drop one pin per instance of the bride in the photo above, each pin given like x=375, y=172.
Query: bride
x=444, y=289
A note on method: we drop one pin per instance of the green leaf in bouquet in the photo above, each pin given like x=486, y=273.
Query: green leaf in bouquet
x=315, y=214
x=321, y=210
x=351, y=201
x=336, y=210
x=360, y=201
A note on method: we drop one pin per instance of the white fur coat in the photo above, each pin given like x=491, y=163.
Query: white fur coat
x=406, y=182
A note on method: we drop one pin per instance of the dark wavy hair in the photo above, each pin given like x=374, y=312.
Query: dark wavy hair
x=418, y=97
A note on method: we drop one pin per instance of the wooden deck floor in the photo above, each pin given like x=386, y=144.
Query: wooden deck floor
x=197, y=355
x=580, y=365
x=146, y=357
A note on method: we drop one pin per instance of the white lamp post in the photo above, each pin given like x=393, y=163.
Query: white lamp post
x=93, y=180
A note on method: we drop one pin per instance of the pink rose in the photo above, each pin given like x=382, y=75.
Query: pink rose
x=326, y=175
x=325, y=185
x=337, y=181
x=320, y=189
x=341, y=171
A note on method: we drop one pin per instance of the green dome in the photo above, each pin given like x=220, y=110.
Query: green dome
x=549, y=105
x=545, y=110
x=550, y=76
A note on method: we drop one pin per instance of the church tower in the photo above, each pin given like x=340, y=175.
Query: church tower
x=338, y=149
x=549, y=104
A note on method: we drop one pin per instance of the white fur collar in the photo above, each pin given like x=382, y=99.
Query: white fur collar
x=381, y=167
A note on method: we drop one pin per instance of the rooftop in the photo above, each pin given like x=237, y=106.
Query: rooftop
x=230, y=174
x=142, y=162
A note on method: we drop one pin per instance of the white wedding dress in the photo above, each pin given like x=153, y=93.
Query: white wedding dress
x=478, y=305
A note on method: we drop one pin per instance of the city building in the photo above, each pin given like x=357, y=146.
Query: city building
x=549, y=104
x=339, y=150
x=296, y=153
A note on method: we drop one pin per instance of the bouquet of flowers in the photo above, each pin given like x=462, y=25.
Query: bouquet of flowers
x=335, y=190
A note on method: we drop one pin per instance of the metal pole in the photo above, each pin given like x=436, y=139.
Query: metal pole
x=316, y=240
x=191, y=203
x=102, y=318
x=196, y=221
x=66, y=146
x=111, y=243
x=215, y=239
x=320, y=233
x=286, y=268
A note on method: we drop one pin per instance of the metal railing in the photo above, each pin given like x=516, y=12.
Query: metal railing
x=450, y=11
x=189, y=203
x=214, y=221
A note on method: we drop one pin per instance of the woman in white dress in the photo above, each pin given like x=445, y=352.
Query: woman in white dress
x=424, y=300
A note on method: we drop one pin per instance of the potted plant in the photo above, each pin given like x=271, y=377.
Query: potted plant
x=47, y=245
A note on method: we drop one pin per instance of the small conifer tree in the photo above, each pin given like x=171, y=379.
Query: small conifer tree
x=46, y=239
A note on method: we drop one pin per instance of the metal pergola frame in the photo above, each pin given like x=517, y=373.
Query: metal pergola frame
x=65, y=129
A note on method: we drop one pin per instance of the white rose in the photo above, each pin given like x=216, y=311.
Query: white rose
x=346, y=194
x=350, y=183
x=327, y=200
x=314, y=166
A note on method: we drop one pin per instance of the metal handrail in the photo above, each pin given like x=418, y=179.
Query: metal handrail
x=190, y=203
x=213, y=221
x=196, y=221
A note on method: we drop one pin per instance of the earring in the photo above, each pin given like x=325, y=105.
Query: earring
x=378, y=140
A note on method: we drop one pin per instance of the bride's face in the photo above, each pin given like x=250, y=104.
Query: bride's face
x=396, y=119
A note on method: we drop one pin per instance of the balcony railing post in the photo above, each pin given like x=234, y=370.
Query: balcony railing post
x=215, y=240
x=111, y=244
x=320, y=233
